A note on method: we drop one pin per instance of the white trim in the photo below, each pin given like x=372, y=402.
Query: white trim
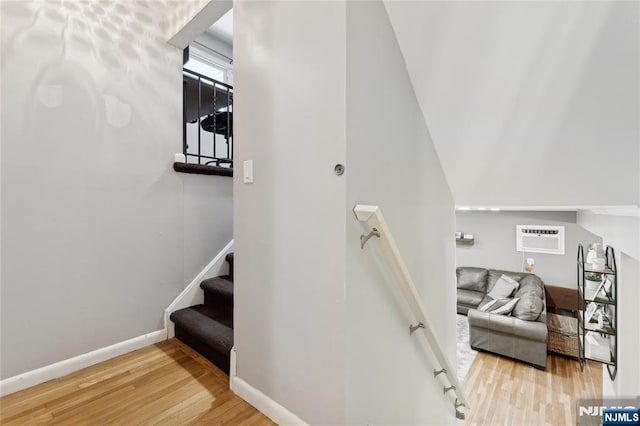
x=68, y=366
x=192, y=294
x=571, y=208
x=232, y=367
x=263, y=403
x=208, y=55
x=621, y=211
x=200, y=22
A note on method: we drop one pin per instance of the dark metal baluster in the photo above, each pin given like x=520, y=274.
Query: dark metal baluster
x=215, y=125
x=231, y=158
x=199, y=102
x=184, y=119
x=228, y=121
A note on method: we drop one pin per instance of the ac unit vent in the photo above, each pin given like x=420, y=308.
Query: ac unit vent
x=540, y=239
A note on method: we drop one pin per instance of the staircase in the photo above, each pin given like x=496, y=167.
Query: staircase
x=208, y=328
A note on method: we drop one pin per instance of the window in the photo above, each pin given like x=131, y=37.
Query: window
x=207, y=110
x=206, y=68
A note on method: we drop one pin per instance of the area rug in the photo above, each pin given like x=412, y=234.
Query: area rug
x=465, y=354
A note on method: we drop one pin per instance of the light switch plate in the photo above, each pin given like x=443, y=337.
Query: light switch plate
x=248, y=171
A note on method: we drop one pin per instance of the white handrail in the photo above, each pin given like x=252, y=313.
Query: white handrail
x=373, y=217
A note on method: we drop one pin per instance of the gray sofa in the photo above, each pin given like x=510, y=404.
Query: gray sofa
x=521, y=335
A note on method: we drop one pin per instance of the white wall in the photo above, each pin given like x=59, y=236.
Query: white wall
x=207, y=219
x=495, y=243
x=529, y=103
x=296, y=64
x=93, y=216
x=388, y=379
x=289, y=64
x=623, y=234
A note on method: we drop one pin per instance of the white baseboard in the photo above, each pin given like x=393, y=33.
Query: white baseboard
x=68, y=366
x=232, y=367
x=193, y=294
x=263, y=403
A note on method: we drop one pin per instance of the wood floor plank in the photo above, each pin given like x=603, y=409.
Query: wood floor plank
x=167, y=383
x=504, y=391
x=61, y=388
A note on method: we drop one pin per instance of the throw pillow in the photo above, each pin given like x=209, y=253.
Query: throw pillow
x=530, y=283
x=499, y=306
x=529, y=308
x=507, y=308
x=504, y=287
x=494, y=304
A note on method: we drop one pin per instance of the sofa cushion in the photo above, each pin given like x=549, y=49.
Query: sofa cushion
x=504, y=287
x=469, y=297
x=529, y=307
x=509, y=325
x=472, y=278
x=495, y=274
x=530, y=283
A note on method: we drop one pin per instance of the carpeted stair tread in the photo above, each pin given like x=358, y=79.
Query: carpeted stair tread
x=208, y=331
x=220, y=288
x=208, y=328
x=198, y=316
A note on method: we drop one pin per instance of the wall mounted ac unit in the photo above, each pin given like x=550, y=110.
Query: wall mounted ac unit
x=540, y=239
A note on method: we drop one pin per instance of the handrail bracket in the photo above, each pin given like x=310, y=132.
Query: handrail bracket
x=364, y=238
x=459, y=414
x=413, y=328
x=436, y=372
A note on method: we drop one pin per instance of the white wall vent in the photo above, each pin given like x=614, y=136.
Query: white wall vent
x=540, y=239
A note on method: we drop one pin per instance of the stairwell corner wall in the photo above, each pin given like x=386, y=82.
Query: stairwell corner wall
x=93, y=216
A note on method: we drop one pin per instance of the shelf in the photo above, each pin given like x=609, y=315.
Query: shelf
x=602, y=360
x=606, y=269
x=594, y=358
x=610, y=359
x=582, y=355
x=591, y=326
x=595, y=343
x=590, y=296
x=581, y=352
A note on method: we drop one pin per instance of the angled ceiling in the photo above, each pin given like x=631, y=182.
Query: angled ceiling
x=223, y=28
x=528, y=103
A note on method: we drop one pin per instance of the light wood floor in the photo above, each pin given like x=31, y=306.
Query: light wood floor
x=506, y=392
x=167, y=383
x=170, y=384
